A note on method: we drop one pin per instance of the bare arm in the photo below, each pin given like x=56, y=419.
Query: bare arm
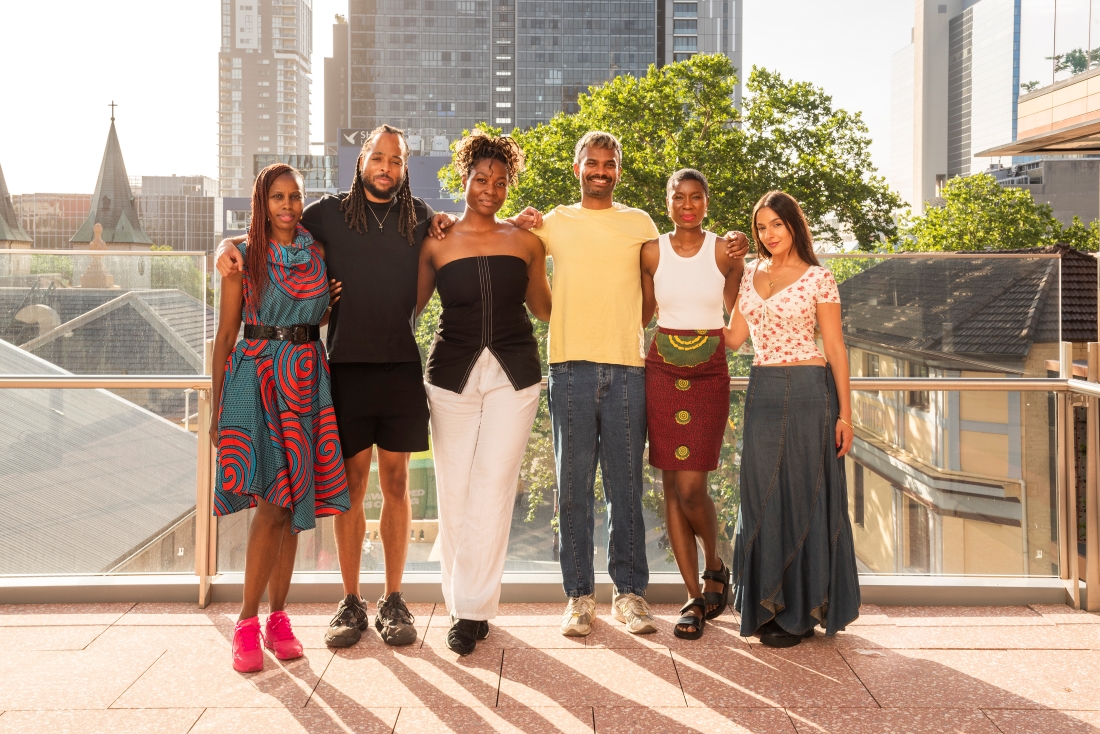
x=229, y=324
x=650, y=257
x=227, y=258
x=440, y=222
x=737, y=333
x=828, y=321
x=529, y=218
x=733, y=267
x=538, y=296
x=425, y=280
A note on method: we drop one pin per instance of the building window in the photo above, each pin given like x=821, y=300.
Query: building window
x=685, y=10
x=919, y=399
x=916, y=546
x=857, y=500
x=871, y=364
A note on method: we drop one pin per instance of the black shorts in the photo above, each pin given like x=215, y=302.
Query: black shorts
x=382, y=405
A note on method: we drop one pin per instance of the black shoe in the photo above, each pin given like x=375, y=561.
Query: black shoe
x=772, y=635
x=464, y=634
x=349, y=624
x=394, y=621
x=482, y=628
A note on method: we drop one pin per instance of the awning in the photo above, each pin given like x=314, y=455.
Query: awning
x=1076, y=139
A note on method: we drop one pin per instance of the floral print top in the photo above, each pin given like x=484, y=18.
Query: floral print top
x=782, y=327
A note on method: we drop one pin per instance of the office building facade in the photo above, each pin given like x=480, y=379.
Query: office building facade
x=689, y=27
x=955, y=92
x=437, y=68
x=264, y=85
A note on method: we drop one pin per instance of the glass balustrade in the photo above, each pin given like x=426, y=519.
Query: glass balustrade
x=952, y=482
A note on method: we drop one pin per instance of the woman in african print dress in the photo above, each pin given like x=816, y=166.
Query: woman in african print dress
x=278, y=448
x=688, y=278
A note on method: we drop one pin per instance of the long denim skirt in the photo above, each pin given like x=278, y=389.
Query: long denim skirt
x=793, y=559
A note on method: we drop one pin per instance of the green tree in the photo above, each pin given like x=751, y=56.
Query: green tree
x=1080, y=236
x=980, y=214
x=789, y=136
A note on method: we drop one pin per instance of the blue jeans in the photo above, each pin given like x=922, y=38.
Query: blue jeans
x=598, y=413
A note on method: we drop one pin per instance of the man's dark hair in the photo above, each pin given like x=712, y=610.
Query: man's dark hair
x=355, y=205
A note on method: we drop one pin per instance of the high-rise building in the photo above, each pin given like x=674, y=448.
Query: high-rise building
x=437, y=68
x=337, y=84
x=689, y=27
x=962, y=72
x=263, y=70
x=180, y=211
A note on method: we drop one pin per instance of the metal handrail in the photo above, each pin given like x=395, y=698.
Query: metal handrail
x=110, y=253
x=109, y=382
x=932, y=384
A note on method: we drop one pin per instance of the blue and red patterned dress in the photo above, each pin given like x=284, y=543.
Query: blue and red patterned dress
x=277, y=437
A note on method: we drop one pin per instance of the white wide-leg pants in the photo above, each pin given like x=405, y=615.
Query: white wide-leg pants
x=478, y=441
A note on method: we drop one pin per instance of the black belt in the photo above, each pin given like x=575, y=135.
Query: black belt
x=299, y=333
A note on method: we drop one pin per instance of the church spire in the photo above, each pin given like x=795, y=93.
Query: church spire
x=113, y=202
x=12, y=233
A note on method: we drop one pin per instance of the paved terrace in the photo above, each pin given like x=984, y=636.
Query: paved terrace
x=124, y=668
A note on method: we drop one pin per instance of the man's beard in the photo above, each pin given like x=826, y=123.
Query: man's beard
x=383, y=194
x=595, y=192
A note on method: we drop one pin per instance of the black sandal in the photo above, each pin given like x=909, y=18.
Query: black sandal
x=721, y=598
x=688, y=620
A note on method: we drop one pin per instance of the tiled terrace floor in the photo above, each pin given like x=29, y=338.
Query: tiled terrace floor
x=124, y=668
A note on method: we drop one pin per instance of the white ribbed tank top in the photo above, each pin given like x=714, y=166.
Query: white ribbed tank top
x=689, y=289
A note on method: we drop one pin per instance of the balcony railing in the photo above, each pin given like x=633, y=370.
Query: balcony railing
x=969, y=474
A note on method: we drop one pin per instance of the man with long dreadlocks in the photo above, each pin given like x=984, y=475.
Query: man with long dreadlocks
x=372, y=237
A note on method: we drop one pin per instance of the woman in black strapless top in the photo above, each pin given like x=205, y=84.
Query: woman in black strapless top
x=483, y=379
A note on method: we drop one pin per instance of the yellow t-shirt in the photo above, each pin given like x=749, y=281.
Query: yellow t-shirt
x=597, y=313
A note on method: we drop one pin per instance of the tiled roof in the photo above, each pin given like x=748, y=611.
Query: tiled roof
x=86, y=478
x=986, y=306
x=113, y=202
x=10, y=228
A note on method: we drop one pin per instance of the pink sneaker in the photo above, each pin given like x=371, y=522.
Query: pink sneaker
x=248, y=656
x=280, y=639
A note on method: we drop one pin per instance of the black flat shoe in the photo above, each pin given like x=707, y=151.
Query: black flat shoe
x=772, y=635
x=719, y=598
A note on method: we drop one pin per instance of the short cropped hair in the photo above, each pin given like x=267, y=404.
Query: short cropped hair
x=597, y=139
x=687, y=174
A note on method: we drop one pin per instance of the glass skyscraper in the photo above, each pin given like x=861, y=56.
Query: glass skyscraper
x=263, y=85
x=438, y=67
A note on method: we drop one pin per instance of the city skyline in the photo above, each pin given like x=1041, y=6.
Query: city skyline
x=168, y=111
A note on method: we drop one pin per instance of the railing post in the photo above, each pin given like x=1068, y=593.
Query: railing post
x=206, y=525
x=1092, y=517
x=1067, y=490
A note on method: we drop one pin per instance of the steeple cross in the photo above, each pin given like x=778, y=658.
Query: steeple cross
x=112, y=106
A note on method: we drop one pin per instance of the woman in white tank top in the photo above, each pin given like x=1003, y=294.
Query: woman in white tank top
x=688, y=278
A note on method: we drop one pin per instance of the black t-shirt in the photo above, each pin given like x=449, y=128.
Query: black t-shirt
x=374, y=319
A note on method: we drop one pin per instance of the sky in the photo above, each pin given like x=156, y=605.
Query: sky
x=67, y=59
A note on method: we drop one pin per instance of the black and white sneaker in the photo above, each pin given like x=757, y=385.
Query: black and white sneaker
x=349, y=624
x=464, y=634
x=394, y=621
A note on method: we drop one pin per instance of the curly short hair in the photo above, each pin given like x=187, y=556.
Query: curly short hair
x=480, y=145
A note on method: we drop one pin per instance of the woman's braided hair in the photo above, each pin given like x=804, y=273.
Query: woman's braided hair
x=260, y=231
x=355, y=205
x=480, y=145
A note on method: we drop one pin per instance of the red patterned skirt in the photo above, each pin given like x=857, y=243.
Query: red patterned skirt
x=687, y=393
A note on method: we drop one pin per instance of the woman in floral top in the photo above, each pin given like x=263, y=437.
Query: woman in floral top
x=794, y=561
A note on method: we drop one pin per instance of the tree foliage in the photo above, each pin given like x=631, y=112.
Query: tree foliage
x=789, y=136
x=980, y=214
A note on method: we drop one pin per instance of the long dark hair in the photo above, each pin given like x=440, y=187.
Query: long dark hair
x=791, y=213
x=355, y=205
x=260, y=230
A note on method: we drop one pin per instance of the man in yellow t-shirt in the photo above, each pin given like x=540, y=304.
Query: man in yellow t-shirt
x=597, y=384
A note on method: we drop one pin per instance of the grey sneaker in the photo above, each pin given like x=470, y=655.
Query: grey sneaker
x=579, y=612
x=633, y=611
x=394, y=621
x=349, y=624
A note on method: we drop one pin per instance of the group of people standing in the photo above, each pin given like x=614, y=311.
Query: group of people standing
x=299, y=425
